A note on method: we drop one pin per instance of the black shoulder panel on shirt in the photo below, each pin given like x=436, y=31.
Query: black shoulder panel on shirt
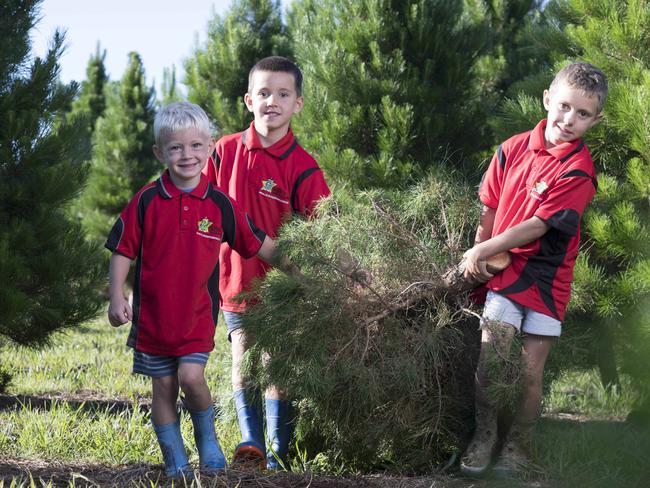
x=566, y=220
x=216, y=159
x=285, y=155
x=227, y=215
x=259, y=233
x=501, y=156
x=145, y=199
x=575, y=151
x=301, y=177
x=115, y=235
x=580, y=173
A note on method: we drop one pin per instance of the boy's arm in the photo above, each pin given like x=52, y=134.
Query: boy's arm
x=270, y=253
x=517, y=236
x=119, y=310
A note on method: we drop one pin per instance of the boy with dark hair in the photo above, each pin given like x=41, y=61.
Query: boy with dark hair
x=272, y=177
x=173, y=227
x=534, y=194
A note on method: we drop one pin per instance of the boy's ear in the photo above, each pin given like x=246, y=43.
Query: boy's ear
x=248, y=100
x=597, y=119
x=300, y=102
x=158, y=153
x=546, y=99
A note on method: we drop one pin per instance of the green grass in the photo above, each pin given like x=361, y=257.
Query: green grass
x=94, y=362
x=582, y=393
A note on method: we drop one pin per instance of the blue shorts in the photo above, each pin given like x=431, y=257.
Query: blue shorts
x=158, y=366
x=233, y=321
x=501, y=309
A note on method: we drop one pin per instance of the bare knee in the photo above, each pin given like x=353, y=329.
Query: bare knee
x=191, y=380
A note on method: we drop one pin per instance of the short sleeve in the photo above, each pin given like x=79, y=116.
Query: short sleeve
x=308, y=189
x=126, y=234
x=240, y=232
x=566, y=201
x=492, y=181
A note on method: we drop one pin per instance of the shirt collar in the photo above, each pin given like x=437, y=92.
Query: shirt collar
x=281, y=149
x=168, y=190
x=561, y=151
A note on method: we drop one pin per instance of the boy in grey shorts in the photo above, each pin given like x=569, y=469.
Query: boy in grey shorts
x=534, y=193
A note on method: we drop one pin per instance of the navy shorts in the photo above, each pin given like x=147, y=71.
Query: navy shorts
x=158, y=366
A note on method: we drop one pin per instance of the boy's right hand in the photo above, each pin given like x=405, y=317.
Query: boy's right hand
x=119, y=311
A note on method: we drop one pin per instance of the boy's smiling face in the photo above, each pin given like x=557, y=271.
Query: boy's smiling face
x=273, y=100
x=185, y=153
x=571, y=112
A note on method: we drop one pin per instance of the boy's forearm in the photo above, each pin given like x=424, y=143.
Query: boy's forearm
x=270, y=253
x=117, y=273
x=521, y=234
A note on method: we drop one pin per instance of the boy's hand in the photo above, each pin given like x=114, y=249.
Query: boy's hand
x=475, y=265
x=119, y=311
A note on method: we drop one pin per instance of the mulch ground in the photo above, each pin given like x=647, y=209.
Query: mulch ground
x=78, y=474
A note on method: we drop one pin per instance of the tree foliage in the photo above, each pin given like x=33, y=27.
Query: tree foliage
x=48, y=274
x=122, y=159
x=217, y=74
x=396, y=87
x=382, y=372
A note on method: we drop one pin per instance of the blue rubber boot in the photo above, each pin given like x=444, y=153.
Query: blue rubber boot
x=211, y=458
x=250, y=452
x=278, y=432
x=171, y=444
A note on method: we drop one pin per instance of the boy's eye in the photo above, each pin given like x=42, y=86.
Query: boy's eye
x=264, y=93
x=564, y=106
x=197, y=145
x=174, y=148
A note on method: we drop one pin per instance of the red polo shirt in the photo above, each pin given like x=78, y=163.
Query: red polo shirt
x=524, y=180
x=270, y=184
x=176, y=238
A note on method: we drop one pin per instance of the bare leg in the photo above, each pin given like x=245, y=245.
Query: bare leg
x=496, y=339
x=191, y=378
x=515, y=453
x=163, y=401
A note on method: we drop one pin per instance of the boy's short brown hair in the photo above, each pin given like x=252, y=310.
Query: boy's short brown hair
x=586, y=77
x=277, y=64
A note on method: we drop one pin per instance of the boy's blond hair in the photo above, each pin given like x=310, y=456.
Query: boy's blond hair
x=586, y=77
x=179, y=116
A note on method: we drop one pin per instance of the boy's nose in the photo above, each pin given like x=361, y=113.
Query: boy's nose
x=569, y=117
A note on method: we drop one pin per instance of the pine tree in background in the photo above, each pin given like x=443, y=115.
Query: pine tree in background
x=395, y=87
x=49, y=276
x=122, y=159
x=217, y=74
x=91, y=101
x=169, y=87
x=612, y=288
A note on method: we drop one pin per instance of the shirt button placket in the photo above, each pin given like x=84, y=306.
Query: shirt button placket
x=185, y=219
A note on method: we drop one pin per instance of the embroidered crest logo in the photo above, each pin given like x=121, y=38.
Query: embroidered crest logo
x=538, y=190
x=204, y=225
x=540, y=187
x=268, y=185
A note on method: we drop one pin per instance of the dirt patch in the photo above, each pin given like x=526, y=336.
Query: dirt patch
x=79, y=474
